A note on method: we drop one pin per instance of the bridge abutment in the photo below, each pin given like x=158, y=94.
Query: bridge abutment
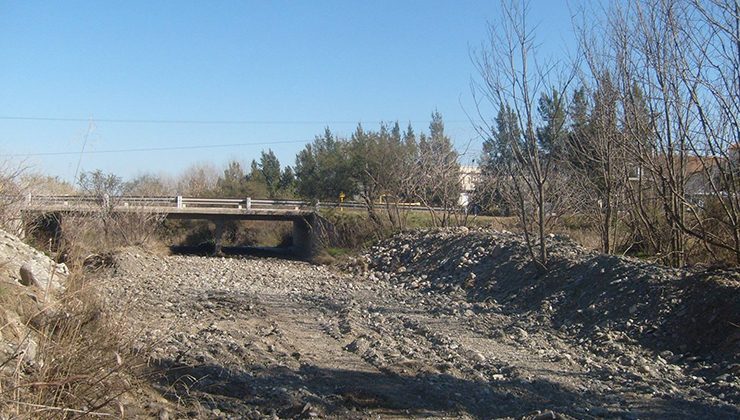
x=304, y=243
x=218, y=235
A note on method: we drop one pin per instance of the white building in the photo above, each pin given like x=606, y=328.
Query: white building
x=469, y=177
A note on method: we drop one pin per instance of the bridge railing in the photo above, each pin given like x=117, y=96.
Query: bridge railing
x=181, y=202
x=167, y=202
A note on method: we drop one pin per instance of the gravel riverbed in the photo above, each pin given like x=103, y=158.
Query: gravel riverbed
x=449, y=324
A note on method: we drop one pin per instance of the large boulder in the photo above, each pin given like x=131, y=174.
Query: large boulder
x=30, y=267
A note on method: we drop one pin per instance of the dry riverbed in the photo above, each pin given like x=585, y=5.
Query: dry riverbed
x=407, y=334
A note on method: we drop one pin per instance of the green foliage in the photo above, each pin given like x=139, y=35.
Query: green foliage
x=437, y=162
x=353, y=230
x=233, y=182
x=378, y=161
x=337, y=251
x=287, y=182
x=551, y=135
x=382, y=168
x=497, y=149
x=324, y=168
x=264, y=180
x=270, y=169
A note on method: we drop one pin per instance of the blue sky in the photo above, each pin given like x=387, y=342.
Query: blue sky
x=149, y=74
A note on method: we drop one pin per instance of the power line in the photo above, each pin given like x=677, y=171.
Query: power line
x=157, y=149
x=90, y=129
x=205, y=122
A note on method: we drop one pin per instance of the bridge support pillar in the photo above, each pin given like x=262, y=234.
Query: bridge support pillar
x=218, y=236
x=304, y=237
x=310, y=234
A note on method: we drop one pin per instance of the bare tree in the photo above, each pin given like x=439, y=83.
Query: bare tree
x=685, y=57
x=433, y=178
x=198, y=180
x=13, y=193
x=595, y=153
x=151, y=185
x=381, y=161
x=120, y=224
x=512, y=78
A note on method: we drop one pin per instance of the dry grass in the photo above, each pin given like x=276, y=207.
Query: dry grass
x=69, y=357
x=74, y=360
x=85, y=235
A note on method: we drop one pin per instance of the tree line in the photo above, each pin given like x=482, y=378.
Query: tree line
x=385, y=168
x=638, y=135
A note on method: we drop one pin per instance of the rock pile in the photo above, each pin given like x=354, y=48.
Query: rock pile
x=30, y=267
x=686, y=318
x=29, y=282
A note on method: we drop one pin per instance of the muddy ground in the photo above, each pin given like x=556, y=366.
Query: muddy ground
x=444, y=324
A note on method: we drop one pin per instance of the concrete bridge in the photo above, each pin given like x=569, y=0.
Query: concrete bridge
x=308, y=226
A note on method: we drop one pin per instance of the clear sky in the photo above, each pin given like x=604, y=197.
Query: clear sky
x=257, y=74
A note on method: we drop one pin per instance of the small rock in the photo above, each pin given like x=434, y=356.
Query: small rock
x=521, y=333
x=599, y=411
x=645, y=369
x=479, y=357
x=30, y=351
x=547, y=415
x=163, y=414
x=723, y=378
x=27, y=277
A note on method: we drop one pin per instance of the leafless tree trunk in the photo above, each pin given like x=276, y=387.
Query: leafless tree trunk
x=685, y=57
x=511, y=76
x=434, y=181
x=595, y=154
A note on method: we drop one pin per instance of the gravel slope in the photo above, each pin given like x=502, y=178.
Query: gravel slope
x=412, y=334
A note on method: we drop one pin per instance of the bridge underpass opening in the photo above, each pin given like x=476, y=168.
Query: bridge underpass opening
x=200, y=236
x=290, y=235
x=222, y=216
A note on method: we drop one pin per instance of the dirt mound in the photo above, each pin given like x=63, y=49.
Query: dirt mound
x=680, y=315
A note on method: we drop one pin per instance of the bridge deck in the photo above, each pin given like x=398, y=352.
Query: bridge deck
x=185, y=212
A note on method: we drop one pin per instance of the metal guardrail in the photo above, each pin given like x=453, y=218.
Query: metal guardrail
x=181, y=202
x=167, y=202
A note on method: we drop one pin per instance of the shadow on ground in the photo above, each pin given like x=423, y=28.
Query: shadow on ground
x=209, y=249
x=310, y=391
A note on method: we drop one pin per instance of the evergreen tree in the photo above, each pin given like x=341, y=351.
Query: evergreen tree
x=552, y=135
x=323, y=168
x=270, y=170
x=497, y=149
x=233, y=182
x=287, y=182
